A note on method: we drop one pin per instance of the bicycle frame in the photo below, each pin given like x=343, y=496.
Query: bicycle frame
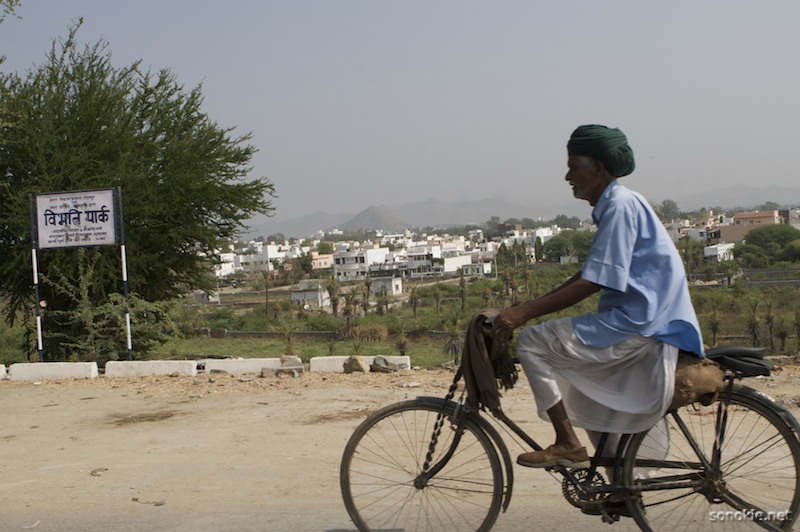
x=592, y=496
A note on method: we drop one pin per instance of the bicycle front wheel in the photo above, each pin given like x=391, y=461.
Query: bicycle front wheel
x=753, y=484
x=385, y=456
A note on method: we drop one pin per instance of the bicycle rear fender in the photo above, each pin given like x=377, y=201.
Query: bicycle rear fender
x=487, y=427
x=772, y=404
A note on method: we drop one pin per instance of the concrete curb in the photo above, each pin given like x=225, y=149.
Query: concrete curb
x=52, y=370
x=236, y=366
x=147, y=368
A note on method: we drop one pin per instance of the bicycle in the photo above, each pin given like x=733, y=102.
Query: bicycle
x=437, y=464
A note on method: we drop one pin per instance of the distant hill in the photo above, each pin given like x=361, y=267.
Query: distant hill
x=429, y=213
x=437, y=213
x=739, y=197
x=374, y=218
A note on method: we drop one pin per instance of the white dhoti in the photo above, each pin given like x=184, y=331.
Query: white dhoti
x=625, y=388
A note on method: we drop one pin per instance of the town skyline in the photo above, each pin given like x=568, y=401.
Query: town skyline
x=446, y=213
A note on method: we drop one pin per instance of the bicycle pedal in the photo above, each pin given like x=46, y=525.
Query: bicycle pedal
x=609, y=518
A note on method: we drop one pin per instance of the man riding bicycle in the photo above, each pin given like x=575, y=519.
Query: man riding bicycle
x=612, y=370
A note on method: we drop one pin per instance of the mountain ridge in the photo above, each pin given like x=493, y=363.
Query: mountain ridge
x=438, y=213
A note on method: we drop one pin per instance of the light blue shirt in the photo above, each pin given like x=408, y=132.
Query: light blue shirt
x=644, y=283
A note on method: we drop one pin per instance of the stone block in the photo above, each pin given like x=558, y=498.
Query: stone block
x=336, y=363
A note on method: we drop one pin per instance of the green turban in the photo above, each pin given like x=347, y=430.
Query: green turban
x=607, y=145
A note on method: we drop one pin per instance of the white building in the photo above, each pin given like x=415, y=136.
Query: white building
x=719, y=252
x=454, y=263
x=311, y=293
x=421, y=259
x=477, y=269
x=355, y=265
x=392, y=286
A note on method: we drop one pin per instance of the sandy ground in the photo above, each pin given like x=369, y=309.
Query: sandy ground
x=228, y=453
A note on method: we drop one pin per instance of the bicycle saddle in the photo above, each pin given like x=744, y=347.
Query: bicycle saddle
x=745, y=361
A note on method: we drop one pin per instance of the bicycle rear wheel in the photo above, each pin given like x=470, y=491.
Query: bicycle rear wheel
x=386, y=454
x=757, y=483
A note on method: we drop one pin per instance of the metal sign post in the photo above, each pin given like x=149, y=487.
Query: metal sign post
x=35, y=263
x=77, y=219
x=124, y=260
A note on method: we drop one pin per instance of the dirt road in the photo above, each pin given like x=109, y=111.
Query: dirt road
x=223, y=453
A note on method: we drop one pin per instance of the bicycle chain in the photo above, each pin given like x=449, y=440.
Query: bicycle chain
x=437, y=427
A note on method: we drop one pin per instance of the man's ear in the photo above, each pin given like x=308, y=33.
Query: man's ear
x=600, y=170
x=598, y=167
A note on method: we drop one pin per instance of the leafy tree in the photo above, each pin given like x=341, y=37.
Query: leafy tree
x=493, y=228
x=751, y=256
x=78, y=123
x=7, y=7
x=768, y=244
x=791, y=253
x=668, y=210
x=305, y=264
x=767, y=236
x=538, y=249
x=569, y=243
x=768, y=206
x=512, y=257
x=567, y=222
x=691, y=251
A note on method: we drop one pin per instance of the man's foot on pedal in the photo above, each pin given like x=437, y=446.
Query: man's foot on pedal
x=574, y=458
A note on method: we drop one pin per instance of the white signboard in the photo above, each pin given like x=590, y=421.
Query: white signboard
x=76, y=219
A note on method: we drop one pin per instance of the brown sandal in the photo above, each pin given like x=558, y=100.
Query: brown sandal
x=576, y=458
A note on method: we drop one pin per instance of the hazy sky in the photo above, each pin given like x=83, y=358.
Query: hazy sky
x=359, y=103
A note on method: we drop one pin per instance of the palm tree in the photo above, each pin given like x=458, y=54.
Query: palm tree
x=414, y=299
x=402, y=344
x=486, y=295
x=454, y=343
x=437, y=297
x=367, y=288
x=288, y=341
x=714, y=319
x=333, y=291
x=797, y=326
x=782, y=327
x=265, y=275
x=714, y=325
x=769, y=320
x=349, y=308
x=754, y=323
x=384, y=302
x=365, y=301
x=526, y=277
x=462, y=286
